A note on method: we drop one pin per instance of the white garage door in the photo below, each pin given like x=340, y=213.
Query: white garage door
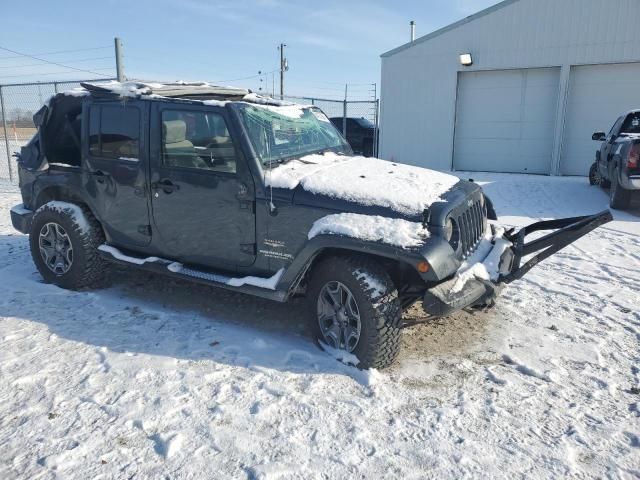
x=505, y=120
x=598, y=95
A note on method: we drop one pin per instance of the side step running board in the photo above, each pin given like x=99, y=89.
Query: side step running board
x=257, y=286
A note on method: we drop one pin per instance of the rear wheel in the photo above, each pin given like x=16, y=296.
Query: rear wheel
x=64, y=239
x=619, y=198
x=355, y=307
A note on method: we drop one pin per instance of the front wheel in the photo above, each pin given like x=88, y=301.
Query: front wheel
x=355, y=307
x=619, y=198
x=64, y=239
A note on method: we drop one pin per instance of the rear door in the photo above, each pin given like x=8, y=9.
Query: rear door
x=202, y=192
x=114, y=169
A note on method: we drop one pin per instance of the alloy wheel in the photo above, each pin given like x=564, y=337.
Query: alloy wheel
x=339, y=317
x=55, y=248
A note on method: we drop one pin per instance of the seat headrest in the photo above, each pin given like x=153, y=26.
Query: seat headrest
x=174, y=131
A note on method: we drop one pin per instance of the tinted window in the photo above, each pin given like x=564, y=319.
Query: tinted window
x=201, y=140
x=365, y=123
x=114, y=131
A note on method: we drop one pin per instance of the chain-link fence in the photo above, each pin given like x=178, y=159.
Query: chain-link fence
x=356, y=119
x=18, y=103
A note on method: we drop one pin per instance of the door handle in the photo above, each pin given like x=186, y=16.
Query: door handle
x=166, y=185
x=100, y=176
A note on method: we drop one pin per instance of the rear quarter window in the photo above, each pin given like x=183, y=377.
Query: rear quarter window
x=114, y=131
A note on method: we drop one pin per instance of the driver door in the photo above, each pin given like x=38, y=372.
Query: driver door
x=202, y=193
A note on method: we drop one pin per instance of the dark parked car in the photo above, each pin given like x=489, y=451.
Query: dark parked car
x=617, y=164
x=227, y=188
x=360, y=134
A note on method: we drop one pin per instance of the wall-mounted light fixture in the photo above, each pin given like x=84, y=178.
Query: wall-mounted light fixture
x=466, y=59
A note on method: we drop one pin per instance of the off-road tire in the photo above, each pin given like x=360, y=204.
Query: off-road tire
x=619, y=198
x=380, y=309
x=88, y=269
x=594, y=175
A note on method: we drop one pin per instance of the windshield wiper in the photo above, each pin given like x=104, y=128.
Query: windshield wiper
x=299, y=156
x=271, y=163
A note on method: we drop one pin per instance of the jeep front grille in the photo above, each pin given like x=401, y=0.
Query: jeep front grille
x=471, y=224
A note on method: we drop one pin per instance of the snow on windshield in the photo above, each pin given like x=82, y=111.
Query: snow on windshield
x=288, y=109
x=366, y=181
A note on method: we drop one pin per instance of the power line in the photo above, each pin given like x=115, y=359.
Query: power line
x=361, y=92
x=50, y=62
x=343, y=83
x=56, y=73
x=55, y=53
x=66, y=61
x=246, y=78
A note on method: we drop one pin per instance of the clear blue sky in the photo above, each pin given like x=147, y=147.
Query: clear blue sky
x=330, y=42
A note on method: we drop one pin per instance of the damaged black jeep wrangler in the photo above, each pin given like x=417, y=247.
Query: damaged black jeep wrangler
x=221, y=186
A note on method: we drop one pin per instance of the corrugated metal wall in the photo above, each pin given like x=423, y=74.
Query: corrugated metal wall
x=419, y=83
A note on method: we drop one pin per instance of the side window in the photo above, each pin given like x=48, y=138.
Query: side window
x=201, y=140
x=114, y=132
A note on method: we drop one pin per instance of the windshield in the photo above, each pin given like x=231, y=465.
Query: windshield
x=280, y=133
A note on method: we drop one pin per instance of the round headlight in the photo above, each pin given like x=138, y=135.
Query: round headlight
x=448, y=230
x=452, y=234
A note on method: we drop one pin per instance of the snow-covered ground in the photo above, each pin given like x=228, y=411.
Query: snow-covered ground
x=153, y=378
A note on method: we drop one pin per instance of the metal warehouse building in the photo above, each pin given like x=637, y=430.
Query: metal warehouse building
x=545, y=75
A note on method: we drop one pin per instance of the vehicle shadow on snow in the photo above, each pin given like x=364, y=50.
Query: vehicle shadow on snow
x=144, y=313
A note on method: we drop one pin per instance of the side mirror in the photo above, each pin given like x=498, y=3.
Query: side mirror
x=599, y=136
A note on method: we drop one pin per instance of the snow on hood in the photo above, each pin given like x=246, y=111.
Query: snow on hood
x=367, y=181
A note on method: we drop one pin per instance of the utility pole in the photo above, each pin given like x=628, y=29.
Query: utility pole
x=119, y=64
x=344, y=112
x=283, y=67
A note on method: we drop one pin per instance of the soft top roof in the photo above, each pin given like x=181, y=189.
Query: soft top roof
x=193, y=91
x=172, y=90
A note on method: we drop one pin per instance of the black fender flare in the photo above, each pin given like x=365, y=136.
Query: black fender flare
x=321, y=244
x=51, y=187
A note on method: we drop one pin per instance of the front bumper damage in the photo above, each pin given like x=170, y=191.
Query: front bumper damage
x=506, y=254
